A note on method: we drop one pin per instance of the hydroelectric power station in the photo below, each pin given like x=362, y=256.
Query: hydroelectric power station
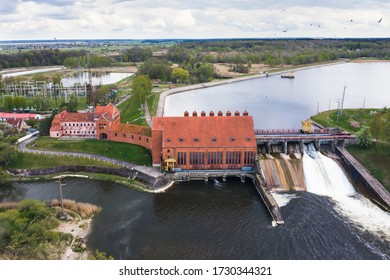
x=218, y=145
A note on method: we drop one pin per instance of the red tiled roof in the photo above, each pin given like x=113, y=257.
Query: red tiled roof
x=19, y=115
x=65, y=116
x=131, y=128
x=206, y=131
x=110, y=109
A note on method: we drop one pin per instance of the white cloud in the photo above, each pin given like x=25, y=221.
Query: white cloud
x=40, y=19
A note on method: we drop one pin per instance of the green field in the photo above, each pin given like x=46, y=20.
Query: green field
x=346, y=120
x=131, y=112
x=35, y=161
x=377, y=162
x=122, y=151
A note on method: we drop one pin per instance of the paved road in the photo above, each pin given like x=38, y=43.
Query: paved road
x=144, y=169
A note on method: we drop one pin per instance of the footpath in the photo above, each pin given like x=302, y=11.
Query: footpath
x=143, y=169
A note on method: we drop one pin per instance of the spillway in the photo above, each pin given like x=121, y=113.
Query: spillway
x=323, y=176
x=283, y=173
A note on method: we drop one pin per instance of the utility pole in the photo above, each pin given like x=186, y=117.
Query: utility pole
x=338, y=110
x=342, y=100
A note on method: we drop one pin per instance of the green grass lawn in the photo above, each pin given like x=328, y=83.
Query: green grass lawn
x=131, y=112
x=122, y=151
x=35, y=161
x=152, y=101
x=378, y=163
x=346, y=118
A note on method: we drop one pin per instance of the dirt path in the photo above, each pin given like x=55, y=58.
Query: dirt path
x=78, y=229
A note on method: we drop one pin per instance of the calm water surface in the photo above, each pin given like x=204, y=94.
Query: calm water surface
x=283, y=103
x=98, y=79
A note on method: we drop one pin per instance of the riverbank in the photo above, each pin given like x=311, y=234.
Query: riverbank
x=376, y=157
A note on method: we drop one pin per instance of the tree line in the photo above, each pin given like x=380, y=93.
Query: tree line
x=37, y=58
x=234, y=51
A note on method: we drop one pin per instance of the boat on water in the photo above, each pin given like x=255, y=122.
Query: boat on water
x=288, y=76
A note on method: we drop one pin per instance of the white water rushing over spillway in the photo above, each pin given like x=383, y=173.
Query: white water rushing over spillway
x=323, y=176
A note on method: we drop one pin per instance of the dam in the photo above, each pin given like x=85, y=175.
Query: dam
x=279, y=164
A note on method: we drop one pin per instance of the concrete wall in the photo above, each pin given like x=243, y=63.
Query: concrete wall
x=147, y=180
x=363, y=180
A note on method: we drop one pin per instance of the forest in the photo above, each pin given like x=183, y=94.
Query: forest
x=235, y=51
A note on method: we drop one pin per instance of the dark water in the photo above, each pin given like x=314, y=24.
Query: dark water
x=213, y=220
x=289, y=101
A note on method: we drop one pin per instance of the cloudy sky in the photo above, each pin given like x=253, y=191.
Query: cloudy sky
x=147, y=19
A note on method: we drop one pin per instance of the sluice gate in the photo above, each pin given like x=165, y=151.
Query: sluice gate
x=266, y=195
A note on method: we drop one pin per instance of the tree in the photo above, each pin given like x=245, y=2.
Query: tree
x=27, y=232
x=180, y=75
x=8, y=103
x=205, y=72
x=19, y=102
x=45, y=124
x=7, y=153
x=141, y=87
x=72, y=103
x=377, y=125
x=156, y=68
x=386, y=128
x=363, y=137
x=102, y=93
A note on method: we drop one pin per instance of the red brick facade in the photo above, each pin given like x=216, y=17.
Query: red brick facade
x=189, y=142
x=204, y=142
x=103, y=124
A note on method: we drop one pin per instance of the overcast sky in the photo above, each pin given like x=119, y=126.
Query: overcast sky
x=154, y=19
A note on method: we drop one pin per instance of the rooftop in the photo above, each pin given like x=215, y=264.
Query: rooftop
x=206, y=131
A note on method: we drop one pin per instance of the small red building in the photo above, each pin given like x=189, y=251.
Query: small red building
x=204, y=142
x=102, y=124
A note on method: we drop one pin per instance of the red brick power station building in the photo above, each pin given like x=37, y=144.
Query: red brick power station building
x=204, y=142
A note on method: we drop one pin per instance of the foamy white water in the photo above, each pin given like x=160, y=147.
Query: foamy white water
x=324, y=176
x=283, y=198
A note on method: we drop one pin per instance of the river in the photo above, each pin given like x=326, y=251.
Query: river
x=228, y=220
x=289, y=101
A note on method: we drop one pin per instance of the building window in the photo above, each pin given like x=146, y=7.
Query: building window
x=115, y=134
x=168, y=139
x=233, y=158
x=181, y=158
x=196, y=139
x=57, y=133
x=181, y=139
x=232, y=139
x=132, y=136
x=124, y=135
x=214, y=139
x=248, y=139
x=139, y=138
x=214, y=158
x=196, y=158
x=147, y=140
x=168, y=151
x=249, y=157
